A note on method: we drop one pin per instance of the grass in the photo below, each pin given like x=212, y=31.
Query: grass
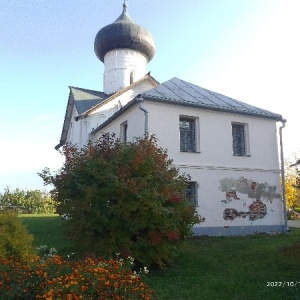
x=210, y=268
x=46, y=229
x=232, y=268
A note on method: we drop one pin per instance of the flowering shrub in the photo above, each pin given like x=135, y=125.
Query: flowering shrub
x=123, y=198
x=55, y=278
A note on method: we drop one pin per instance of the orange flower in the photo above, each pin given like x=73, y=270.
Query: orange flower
x=84, y=277
x=83, y=288
x=69, y=297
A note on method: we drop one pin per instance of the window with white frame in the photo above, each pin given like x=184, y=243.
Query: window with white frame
x=123, y=132
x=239, y=139
x=191, y=192
x=187, y=127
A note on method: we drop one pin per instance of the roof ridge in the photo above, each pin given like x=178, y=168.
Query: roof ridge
x=84, y=89
x=116, y=94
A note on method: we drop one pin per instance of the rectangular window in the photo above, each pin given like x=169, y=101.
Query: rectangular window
x=191, y=193
x=123, y=132
x=187, y=128
x=239, y=139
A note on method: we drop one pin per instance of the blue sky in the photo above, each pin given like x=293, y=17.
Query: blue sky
x=245, y=49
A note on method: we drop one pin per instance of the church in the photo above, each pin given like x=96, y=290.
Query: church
x=228, y=147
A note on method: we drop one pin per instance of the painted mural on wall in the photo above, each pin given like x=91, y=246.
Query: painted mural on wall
x=237, y=189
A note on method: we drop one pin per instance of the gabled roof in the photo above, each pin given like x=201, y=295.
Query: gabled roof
x=177, y=91
x=115, y=95
x=173, y=91
x=85, y=99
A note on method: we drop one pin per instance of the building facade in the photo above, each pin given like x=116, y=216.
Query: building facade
x=228, y=147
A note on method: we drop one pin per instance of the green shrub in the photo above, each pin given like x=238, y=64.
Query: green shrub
x=123, y=198
x=14, y=238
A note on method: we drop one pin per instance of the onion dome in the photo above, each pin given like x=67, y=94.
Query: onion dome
x=124, y=33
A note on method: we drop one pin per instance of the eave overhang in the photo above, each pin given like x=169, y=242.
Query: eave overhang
x=117, y=94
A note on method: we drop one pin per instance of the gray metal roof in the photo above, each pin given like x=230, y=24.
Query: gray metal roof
x=177, y=91
x=85, y=99
x=174, y=91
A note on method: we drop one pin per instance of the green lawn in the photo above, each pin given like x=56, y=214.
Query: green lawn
x=46, y=229
x=210, y=268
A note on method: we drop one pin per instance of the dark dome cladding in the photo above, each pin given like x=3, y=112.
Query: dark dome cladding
x=124, y=33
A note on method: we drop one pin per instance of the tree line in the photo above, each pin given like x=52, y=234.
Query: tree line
x=26, y=201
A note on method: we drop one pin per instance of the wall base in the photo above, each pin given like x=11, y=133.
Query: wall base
x=238, y=230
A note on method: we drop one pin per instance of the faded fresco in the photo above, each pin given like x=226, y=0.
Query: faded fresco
x=237, y=189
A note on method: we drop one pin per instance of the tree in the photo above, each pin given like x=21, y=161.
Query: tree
x=292, y=183
x=12, y=198
x=27, y=201
x=123, y=198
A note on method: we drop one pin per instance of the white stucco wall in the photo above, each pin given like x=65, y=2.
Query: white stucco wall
x=215, y=164
x=79, y=131
x=212, y=201
x=135, y=124
x=118, y=66
x=74, y=134
x=215, y=160
x=214, y=133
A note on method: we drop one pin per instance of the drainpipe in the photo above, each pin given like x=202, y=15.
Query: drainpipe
x=283, y=121
x=140, y=99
